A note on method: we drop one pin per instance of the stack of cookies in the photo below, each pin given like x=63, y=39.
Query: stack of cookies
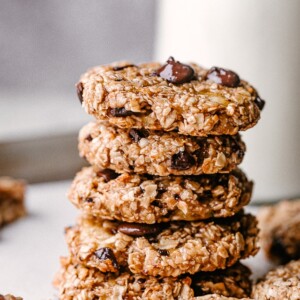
x=162, y=204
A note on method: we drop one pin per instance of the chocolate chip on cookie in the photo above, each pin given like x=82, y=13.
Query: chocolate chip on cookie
x=106, y=253
x=89, y=138
x=119, y=68
x=121, y=112
x=137, y=134
x=260, y=102
x=176, y=72
x=107, y=174
x=134, y=229
x=182, y=160
x=79, y=89
x=223, y=77
x=163, y=252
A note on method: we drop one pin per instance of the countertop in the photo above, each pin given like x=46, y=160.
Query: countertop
x=30, y=248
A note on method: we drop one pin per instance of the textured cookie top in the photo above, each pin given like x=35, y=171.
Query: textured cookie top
x=151, y=199
x=281, y=283
x=280, y=230
x=191, y=99
x=157, y=152
x=76, y=281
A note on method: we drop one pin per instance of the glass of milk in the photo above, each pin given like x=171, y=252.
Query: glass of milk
x=260, y=40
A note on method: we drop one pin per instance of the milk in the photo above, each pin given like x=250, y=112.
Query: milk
x=260, y=40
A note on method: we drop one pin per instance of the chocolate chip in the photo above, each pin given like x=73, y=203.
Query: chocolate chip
x=120, y=112
x=107, y=174
x=137, y=134
x=163, y=252
x=107, y=254
x=176, y=197
x=79, y=89
x=89, y=138
x=123, y=67
x=176, y=72
x=260, y=102
x=236, y=148
x=182, y=160
x=160, y=192
x=134, y=229
x=157, y=203
x=89, y=200
x=223, y=76
x=197, y=287
x=205, y=196
x=141, y=280
x=279, y=251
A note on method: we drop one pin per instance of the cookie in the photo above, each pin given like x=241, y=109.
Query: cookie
x=156, y=97
x=280, y=231
x=78, y=282
x=12, y=193
x=165, y=249
x=158, y=153
x=9, y=297
x=218, y=297
x=230, y=282
x=149, y=199
x=281, y=283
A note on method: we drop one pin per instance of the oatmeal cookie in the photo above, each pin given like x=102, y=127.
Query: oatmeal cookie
x=190, y=99
x=281, y=283
x=164, y=249
x=230, y=282
x=9, y=297
x=151, y=199
x=158, y=153
x=218, y=297
x=280, y=230
x=76, y=281
x=12, y=194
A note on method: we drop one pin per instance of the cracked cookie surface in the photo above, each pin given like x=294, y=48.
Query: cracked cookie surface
x=76, y=281
x=280, y=230
x=158, y=153
x=281, y=283
x=136, y=96
x=165, y=249
x=151, y=199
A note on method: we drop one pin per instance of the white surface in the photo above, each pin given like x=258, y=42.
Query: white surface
x=257, y=39
x=30, y=248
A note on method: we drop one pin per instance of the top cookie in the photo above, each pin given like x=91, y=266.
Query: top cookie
x=190, y=99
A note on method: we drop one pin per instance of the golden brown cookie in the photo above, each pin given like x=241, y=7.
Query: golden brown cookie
x=174, y=96
x=165, y=249
x=157, y=152
x=280, y=230
x=12, y=193
x=151, y=199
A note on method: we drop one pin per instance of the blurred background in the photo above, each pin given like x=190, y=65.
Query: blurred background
x=45, y=46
